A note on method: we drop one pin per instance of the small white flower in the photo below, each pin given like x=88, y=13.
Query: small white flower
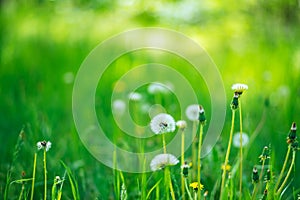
x=119, y=107
x=192, y=112
x=43, y=145
x=134, y=96
x=236, y=139
x=181, y=124
x=162, y=123
x=155, y=88
x=239, y=87
x=162, y=160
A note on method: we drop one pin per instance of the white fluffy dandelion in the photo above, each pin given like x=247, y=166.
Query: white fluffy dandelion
x=160, y=161
x=239, y=87
x=181, y=124
x=236, y=139
x=134, y=96
x=155, y=88
x=44, y=145
x=162, y=123
x=119, y=106
x=192, y=112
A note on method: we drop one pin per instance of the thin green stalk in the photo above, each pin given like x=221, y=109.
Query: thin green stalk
x=241, y=150
x=195, y=195
x=254, y=191
x=283, y=168
x=157, y=193
x=22, y=191
x=166, y=181
x=288, y=174
x=199, y=156
x=33, y=176
x=164, y=143
x=187, y=189
x=227, y=154
x=182, y=163
x=169, y=184
x=261, y=174
x=45, y=175
x=194, y=151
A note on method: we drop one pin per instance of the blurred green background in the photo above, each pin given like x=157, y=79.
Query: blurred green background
x=43, y=44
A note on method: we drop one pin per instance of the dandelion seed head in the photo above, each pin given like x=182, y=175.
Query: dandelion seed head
x=162, y=123
x=239, y=88
x=135, y=96
x=236, y=139
x=43, y=145
x=162, y=160
x=155, y=88
x=192, y=112
x=119, y=106
x=181, y=124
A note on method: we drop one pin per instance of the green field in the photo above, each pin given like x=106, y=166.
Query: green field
x=43, y=44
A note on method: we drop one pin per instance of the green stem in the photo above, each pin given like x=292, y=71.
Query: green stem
x=33, y=176
x=182, y=163
x=195, y=195
x=22, y=191
x=164, y=143
x=169, y=183
x=45, y=175
x=227, y=154
x=261, y=173
x=199, y=156
x=194, y=150
x=241, y=150
x=187, y=189
x=288, y=174
x=283, y=167
x=254, y=191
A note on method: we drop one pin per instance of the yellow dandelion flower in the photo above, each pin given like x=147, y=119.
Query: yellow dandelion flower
x=227, y=168
x=195, y=187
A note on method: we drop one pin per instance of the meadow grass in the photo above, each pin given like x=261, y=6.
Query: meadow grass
x=41, y=42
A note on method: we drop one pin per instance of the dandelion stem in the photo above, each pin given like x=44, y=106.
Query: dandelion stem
x=182, y=163
x=22, y=191
x=283, y=167
x=195, y=195
x=254, y=191
x=164, y=143
x=199, y=155
x=194, y=150
x=241, y=150
x=45, y=175
x=288, y=173
x=33, y=176
x=187, y=189
x=227, y=153
x=261, y=173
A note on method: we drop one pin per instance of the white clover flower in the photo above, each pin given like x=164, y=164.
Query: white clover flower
x=155, y=88
x=160, y=161
x=43, y=145
x=239, y=88
x=181, y=124
x=162, y=123
x=192, y=112
x=236, y=139
x=134, y=96
x=119, y=106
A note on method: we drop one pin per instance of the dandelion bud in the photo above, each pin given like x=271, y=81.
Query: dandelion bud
x=255, y=176
x=265, y=154
x=235, y=101
x=185, y=169
x=239, y=88
x=292, y=134
x=202, y=118
x=265, y=195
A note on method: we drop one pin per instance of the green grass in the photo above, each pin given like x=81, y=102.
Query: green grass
x=256, y=43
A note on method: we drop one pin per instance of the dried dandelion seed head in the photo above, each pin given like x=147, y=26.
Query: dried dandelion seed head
x=181, y=124
x=44, y=145
x=236, y=140
x=162, y=123
x=162, y=160
x=192, y=112
x=239, y=88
